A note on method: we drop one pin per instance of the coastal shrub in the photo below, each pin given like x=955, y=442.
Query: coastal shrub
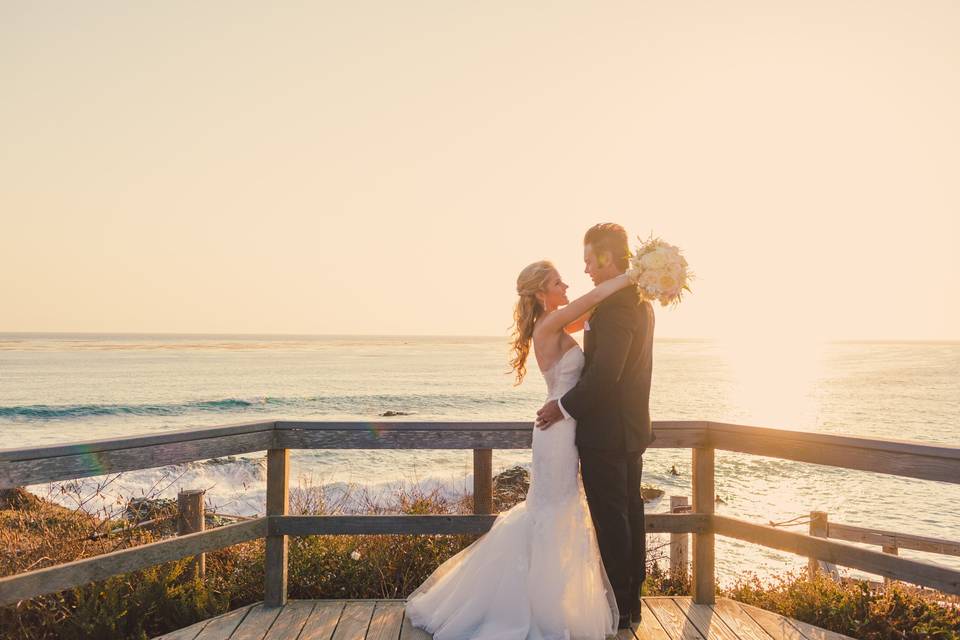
x=854, y=607
x=163, y=598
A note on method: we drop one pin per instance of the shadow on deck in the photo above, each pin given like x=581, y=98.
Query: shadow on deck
x=675, y=618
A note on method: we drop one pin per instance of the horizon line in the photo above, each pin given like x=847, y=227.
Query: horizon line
x=196, y=334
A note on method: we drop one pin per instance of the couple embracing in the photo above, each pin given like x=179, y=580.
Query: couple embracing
x=569, y=561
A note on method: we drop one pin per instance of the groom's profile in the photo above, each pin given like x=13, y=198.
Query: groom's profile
x=611, y=404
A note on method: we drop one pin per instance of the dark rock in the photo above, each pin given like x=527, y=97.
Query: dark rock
x=17, y=498
x=649, y=493
x=390, y=414
x=510, y=487
x=140, y=509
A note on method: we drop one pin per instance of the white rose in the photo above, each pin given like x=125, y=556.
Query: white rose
x=654, y=260
x=355, y=555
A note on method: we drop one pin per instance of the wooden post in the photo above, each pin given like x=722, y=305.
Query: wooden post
x=278, y=499
x=190, y=519
x=819, y=528
x=894, y=551
x=483, y=481
x=704, y=581
x=679, y=542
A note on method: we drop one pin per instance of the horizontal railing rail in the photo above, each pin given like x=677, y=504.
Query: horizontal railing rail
x=26, y=466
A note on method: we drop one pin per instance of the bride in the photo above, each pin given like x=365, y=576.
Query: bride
x=537, y=573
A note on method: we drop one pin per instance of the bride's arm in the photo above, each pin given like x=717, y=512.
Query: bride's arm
x=578, y=324
x=556, y=321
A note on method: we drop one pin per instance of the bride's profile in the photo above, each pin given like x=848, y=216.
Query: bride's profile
x=537, y=574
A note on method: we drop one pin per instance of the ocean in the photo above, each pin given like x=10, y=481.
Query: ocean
x=57, y=388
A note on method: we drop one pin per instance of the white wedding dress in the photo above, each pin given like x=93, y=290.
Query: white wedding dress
x=537, y=573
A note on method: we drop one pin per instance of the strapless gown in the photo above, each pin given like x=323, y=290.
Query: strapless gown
x=537, y=574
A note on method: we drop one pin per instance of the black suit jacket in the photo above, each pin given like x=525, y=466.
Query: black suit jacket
x=611, y=401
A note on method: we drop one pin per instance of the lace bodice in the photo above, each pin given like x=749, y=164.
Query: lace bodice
x=564, y=373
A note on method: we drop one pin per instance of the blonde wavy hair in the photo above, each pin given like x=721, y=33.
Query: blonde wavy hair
x=531, y=281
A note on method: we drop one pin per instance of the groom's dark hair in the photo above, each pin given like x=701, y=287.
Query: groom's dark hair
x=609, y=236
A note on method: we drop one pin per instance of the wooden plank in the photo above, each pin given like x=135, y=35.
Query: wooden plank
x=884, y=538
x=187, y=633
x=447, y=435
x=322, y=621
x=52, y=579
x=256, y=623
x=706, y=620
x=293, y=616
x=907, y=459
x=17, y=473
x=649, y=627
x=278, y=502
x=354, y=621
x=220, y=628
x=777, y=626
x=86, y=447
x=386, y=622
x=672, y=619
x=816, y=633
x=702, y=585
x=410, y=632
x=742, y=625
x=482, y=481
x=842, y=553
x=445, y=524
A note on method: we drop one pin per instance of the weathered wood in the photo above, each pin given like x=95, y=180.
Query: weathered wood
x=410, y=632
x=907, y=459
x=278, y=502
x=777, y=626
x=222, y=627
x=816, y=633
x=706, y=620
x=190, y=519
x=893, y=551
x=742, y=625
x=88, y=447
x=386, y=621
x=291, y=620
x=672, y=619
x=884, y=538
x=322, y=621
x=187, y=633
x=15, y=473
x=819, y=528
x=354, y=621
x=649, y=627
x=256, y=623
x=447, y=435
x=703, y=584
x=842, y=553
x=679, y=542
x=445, y=524
x=482, y=481
x=63, y=576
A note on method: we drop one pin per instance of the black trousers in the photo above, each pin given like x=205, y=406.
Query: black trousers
x=611, y=480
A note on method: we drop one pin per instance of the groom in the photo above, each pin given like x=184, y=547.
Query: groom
x=611, y=404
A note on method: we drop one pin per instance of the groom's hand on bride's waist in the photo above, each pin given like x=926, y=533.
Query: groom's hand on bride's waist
x=548, y=414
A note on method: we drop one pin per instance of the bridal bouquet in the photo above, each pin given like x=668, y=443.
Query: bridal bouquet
x=659, y=271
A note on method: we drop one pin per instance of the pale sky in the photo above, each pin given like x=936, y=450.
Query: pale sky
x=388, y=167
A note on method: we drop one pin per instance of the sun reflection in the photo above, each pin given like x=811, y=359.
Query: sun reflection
x=773, y=379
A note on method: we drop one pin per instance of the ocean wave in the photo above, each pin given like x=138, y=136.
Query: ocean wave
x=364, y=404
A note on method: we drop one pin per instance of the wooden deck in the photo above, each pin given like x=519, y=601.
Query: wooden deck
x=663, y=619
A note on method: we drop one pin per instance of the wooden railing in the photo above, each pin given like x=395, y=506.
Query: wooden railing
x=19, y=467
